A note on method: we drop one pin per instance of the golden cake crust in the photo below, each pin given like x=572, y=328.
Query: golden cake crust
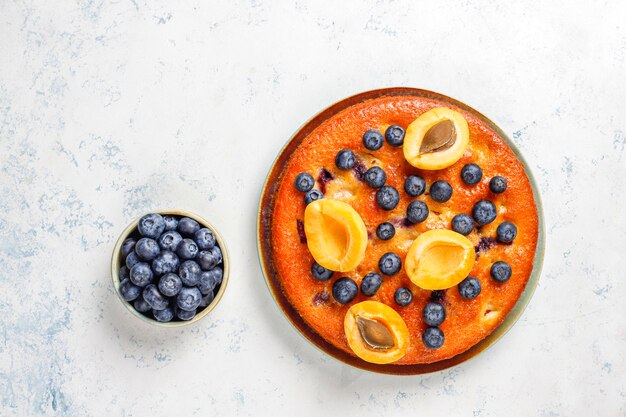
x=467, y=321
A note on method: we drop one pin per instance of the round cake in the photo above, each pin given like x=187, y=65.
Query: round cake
x=338, y=156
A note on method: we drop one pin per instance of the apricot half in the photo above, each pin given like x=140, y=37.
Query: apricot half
x=436, y=139
x=375, y=332
x=335, y=233
x=439, y=259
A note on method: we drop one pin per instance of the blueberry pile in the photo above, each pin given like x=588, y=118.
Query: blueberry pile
x=173, y=267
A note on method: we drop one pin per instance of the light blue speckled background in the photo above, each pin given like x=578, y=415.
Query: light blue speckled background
x=112, y=108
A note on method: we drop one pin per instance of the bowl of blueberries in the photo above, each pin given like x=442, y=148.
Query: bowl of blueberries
x=170, y=268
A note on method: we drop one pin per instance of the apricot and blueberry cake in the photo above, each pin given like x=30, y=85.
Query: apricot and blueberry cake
x=403, y=230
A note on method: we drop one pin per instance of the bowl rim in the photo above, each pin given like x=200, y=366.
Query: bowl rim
x=116, y=264
x=264, y=246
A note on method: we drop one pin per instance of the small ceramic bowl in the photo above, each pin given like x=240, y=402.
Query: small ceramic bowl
x=116, y=263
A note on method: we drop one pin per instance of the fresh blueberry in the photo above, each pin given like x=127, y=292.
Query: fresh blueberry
x=433, y=337
x=132, y=259
x=170, y=240
x=189, y=273
x=403, y=296
x=147, y=248
x=484, y=212
x=371, y=283
x=345, y=290
x=497, y=185
x=414, y=185
x=187, y=226
x=165, y=262
x=501, y=271
x=153, y=297
x=506, y=232
x=312, y=195
x=124, y=273
x=389, y=263
x=469, y=288
x=387, y=197
x=208, y=259
x=471, y=174
x=141, y=274
x=170, y=284
x=320, y=273
x=128, y=246
x=375, y=177
x=163, y=316
x=345, y=159
x=394, y=135
x=171, y=223
x=187, y=249
x=128, y=290
x=205, y=239
x=434, y=314
x=219, y=274
x=184, y=314
x=304, y=182
x=373, y=140
x=441, y=191
x=463, y=224
x=141, y=305
x=151, y=225
x=385, y=231
x=207, y=299
x=417, y=212
x=209, y=280
x=189, y=298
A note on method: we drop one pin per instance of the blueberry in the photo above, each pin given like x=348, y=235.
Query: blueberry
x=187, y=249
x=389, y=263
x=187, y=226
x=375, y=177
x=394, y=135
x=312, y=195
x=209, y=280
x=345, y=159
x=163, y=316
x=501, y=271
x=128, y=290
x=208, y=259
x=385, y=231
x=497, y=185
x=441, y=191
x=189, y=273
x=417, y=212
x=171, y=223
x=147, y=248
x=471, y=174
x=189, y=298
x=151, y=225
x=373, y=140
x=433, y=337
x=124, y=273
x=434, y=314
x=170, y=240
x=153, y=297
x=463, y=224
x=165, y=262
x=484, y=212
x=371, y=283
x=132, y=259
x=414, y=185
x=506, y=232
x=170, y=284
x=345, y=290
x=219, y=275
x=207, y=299
x=403, y=296
x=387, y=197
x=128, y=246
x=320, y=273
x=141, y=305
x=469, y=288
x=184, y=314
x=141, y=274
x=304, y=182
x=204, y=239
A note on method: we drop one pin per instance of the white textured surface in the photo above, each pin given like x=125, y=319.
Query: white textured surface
x=112, y=108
